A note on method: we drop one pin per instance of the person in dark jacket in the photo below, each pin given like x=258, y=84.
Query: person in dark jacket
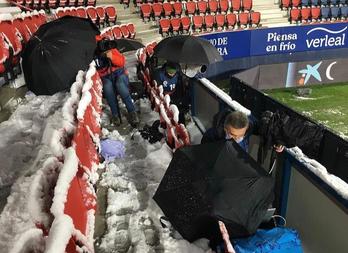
x=111, y=68
x=170, y=77
x=231, y=125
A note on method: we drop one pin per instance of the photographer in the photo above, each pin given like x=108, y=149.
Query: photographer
x=110, y=66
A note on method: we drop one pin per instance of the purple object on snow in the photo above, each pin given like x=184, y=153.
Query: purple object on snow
x=111, y=149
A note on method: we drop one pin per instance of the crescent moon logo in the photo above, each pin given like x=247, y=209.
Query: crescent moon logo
x=328, y=71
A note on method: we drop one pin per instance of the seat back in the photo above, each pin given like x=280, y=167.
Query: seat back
x=255, y=17
x=176, y=24
x=145, y=10
x=81, y=12
x=325, y=12
x=295, y=15
x=117, y=32
x=213, y=6
x=315, y=12
x=157, y=9
x=197, y=21
x=220, y=20
x=186, y=23
x=209, y=21
x=191, y=8
x=305, y=14
x=243, y=18
x=231, y=19
x=168, y=9
x=164, y=25
x=110, y=12
x=296, y=3
x=335, y=12
x=131, y=29
x=236, y=5
x=125, y=31
x=177, y=8
x=223, y=6
x=202, y=7
x=285, y=4
x=344, y=12
x=92, y=13
x=247, y=5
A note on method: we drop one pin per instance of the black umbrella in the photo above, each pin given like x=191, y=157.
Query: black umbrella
x=187, y=49
x=56, y=52
x=125, y=45
x=210, y=182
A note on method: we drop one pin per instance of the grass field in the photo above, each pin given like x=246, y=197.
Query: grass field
x=327, y=104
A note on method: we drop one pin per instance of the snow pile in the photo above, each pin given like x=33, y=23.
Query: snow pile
x=132, y=215
x=60, y=233
x=340, y=186
x=224, y=97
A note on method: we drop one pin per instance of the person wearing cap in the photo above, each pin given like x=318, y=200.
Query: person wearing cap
x=169, y=76
x=111, y=68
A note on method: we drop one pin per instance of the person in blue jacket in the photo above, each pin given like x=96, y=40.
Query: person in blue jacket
x=170, y=77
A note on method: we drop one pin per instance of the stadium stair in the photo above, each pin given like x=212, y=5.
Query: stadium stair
x=145, y=32
x=271, y=14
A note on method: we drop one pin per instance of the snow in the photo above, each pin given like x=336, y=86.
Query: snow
x=340, y=186
x=224, y=97
x=30, y=241
x=60, y=232
x=65, y=177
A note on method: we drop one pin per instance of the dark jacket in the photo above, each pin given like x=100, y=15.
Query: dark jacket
x=217, y=132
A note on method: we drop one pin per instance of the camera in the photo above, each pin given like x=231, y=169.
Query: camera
x=105, y=45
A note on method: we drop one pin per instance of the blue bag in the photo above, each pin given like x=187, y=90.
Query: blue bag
x=276, y=240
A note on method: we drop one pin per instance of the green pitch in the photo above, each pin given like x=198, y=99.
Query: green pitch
x=327, y=104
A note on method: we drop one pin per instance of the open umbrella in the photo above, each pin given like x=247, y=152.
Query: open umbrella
x=187, y=49
x=210, y=182
x=56, y=52
x=125, y=45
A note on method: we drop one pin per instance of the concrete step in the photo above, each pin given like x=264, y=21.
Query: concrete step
x=152, y=32
x=268, y=21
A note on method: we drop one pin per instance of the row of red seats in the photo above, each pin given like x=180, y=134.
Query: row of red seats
x=176, y=134
x=46, y=4
x=100, y=15
x=158, y=10
x=15, y=32
x=235, y=5
x=119, y=31
x=209, y=22
x=317, y=14
x=63, y=193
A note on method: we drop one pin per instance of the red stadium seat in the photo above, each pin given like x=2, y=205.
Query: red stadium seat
x=197, y=22
x=315, y=13
x=108, y=34
x=220, y=21
x=145, y=11
x=191, y=8
x=176, y=25
x=213, y=6
x=110, y=12
x=13, y=36
x=285, y=4
x=243, y=19
x=131, y=29
x=22, y=28
x=164, y=26
x=125, y=31
x=255, y=18
x=117, y=32
x=92, y=14
x=224, y=6
x=157, y=10
x=177, y=9
x=91, y=2
x=52, y=3
x=80, y=2
x=305, y=14
x=296, y=3
x=81, y=12
x=209, y=22
x=186, y=23
x=231, y=20
x=236, y=5
x=247, y=5
x=29, y=22
x=168, y=9
x=295, y=15
x=4, y=58
x=202, y=7
x=101, y=15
